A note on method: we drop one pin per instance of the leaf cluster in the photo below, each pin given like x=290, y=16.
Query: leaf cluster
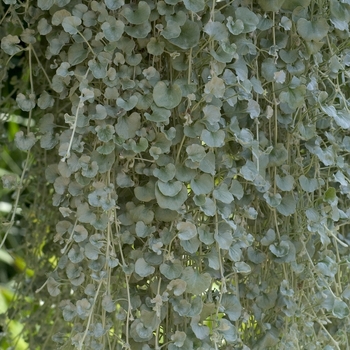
x=196, y=155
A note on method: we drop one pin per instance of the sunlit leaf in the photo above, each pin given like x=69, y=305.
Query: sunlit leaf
x=196, y=152
x=340, y=15
x=142, y=268
x=327, y=267
x=208, y=206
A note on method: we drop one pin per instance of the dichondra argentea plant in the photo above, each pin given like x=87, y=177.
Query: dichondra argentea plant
x=186, y=165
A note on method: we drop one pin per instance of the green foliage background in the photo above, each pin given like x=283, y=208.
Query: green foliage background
x=183, y=173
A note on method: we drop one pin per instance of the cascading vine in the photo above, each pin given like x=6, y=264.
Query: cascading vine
x=196, y=172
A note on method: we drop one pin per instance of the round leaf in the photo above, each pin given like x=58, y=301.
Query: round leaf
x=70, y=24
x=314, y=30
x=213, y=138
x=24, y=143
x=142, y=268
x=167, y=97
x=231, y=306
x=172, y=203
x=187, y=230
x=170, y=188
x=340, y=309
x=113, y=30
x=114, y=4
x=189, y=36
x=194, y=5
x=9, y=44
x=139, y=15
x=197, y=282
x=171, y=270
x=177, y=286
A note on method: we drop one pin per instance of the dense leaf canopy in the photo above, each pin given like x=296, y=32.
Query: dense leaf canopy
x=182, y=173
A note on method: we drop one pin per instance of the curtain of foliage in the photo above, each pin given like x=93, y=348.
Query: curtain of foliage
x=184, y=178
